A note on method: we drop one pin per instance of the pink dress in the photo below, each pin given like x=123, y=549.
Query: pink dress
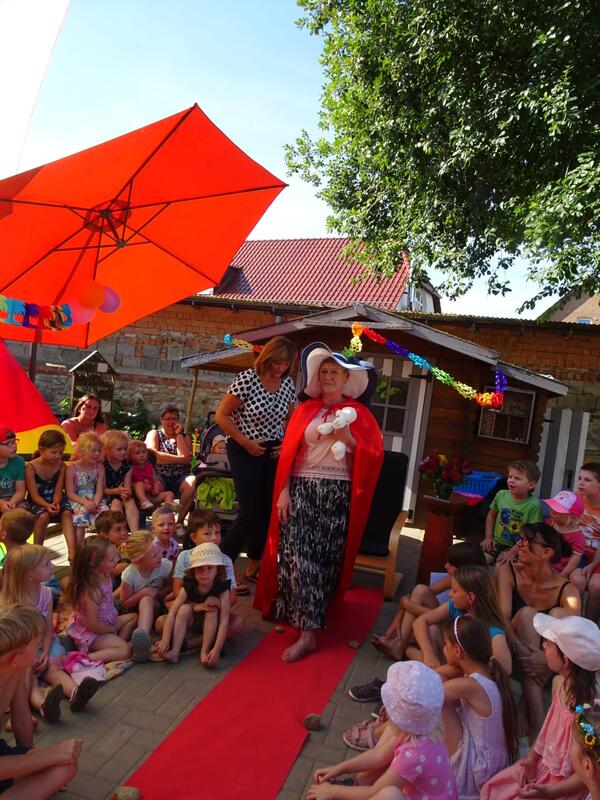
x=554, y=765
x=77, y=627
x=425, y=767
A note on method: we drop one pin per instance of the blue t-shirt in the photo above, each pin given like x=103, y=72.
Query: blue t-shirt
x=454, y=613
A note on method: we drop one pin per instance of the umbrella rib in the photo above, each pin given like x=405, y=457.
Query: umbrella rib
x=169, y=253
x=151, y=155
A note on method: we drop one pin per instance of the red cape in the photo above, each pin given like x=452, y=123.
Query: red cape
x=367, y=460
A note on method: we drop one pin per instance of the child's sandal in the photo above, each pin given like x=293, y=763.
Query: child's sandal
x=361, y=737
x=50, y=709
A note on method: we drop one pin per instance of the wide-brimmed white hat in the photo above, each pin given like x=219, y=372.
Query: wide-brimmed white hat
x=413, y=697
x=205, y=555
x=576, y=637
x=362, y=377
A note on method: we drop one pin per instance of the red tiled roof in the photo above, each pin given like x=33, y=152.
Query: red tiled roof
x=306, y=271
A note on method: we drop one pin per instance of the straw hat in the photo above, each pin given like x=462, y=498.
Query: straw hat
x=413, y=697
x=205, y=555
x=362, y=378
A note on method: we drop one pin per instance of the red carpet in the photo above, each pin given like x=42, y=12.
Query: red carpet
x=243, y=738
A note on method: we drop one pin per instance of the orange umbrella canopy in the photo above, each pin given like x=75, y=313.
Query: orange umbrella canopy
x=155, y=215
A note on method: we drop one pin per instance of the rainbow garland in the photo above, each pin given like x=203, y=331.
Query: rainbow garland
x=486, y=399
x=34, y=315
x=233, y=341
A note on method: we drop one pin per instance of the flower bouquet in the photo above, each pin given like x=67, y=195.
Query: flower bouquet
x=444, y=473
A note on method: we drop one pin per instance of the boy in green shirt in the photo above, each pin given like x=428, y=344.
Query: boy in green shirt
x=510, y=510
x=12, y=471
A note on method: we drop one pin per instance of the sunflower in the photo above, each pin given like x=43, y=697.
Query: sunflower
x=514, y=527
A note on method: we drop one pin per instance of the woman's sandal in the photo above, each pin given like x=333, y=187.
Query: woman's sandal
x=361, y=736
x=252, y=578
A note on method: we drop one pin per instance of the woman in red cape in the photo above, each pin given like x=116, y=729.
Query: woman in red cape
x=322, y=499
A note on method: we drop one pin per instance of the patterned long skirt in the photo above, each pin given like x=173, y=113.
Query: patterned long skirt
x=311, y=550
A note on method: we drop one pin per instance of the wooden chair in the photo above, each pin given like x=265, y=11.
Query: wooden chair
x=378, y=552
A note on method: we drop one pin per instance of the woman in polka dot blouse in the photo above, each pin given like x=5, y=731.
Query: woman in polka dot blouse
x=253, y=414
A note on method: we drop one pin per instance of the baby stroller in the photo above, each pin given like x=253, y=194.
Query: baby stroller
x=215, y=489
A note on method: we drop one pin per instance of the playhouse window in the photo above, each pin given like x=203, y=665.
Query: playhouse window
x=512, y=422
x=390, y=400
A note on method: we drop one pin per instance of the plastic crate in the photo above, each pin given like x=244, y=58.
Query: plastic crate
x=479, y=483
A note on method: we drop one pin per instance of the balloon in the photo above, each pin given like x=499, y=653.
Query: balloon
x=111, y=301
x=81, y=315
x=91, y=295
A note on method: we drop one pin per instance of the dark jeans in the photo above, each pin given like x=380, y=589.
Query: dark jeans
x=254, y=477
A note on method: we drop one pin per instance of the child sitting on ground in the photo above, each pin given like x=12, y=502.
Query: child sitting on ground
x=411, y=760
x=94, y=624
x=27, y=771
x=45, y=481
x=25, y=571
x=588, y=577
x=201, y=608
x=16, y=526
x=111, y=525
x=585, y=747
x=144, y=583
x=85, y=486
x=163, y=525
x=118, y=480
x=572, y=649
x=511, y=509
x=12, y=472
x=566, y=509
x=480, y=714
x=148, y=490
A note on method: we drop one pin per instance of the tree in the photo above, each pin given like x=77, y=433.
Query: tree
x=462, y=130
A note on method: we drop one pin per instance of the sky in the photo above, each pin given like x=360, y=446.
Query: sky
x=120, y=64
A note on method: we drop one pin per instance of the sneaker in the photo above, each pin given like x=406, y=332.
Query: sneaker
x=51, y=706
x=140, y=644
x=146, y=505
x=367, y=692
x=84, y=693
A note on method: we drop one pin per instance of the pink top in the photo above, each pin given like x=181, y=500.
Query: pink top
x=554, y=740
x=425, y=767
x=577, y=541
x=314, y=458
x=143, y=474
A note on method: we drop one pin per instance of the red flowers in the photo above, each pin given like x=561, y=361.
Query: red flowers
x=444, y=473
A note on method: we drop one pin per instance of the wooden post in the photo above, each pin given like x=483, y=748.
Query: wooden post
x=190, y=403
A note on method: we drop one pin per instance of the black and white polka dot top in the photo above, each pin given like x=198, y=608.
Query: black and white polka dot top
x=261, y=415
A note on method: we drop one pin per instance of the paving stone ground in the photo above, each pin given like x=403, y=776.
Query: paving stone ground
x=134, y=712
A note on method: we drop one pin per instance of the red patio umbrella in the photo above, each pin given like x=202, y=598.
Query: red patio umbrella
x=145, y=219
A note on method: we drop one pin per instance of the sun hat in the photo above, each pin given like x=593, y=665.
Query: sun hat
x=362, y=378
x=413, y=697
x=578, y=638
x=566, y=503
x=6, y=433
x=205, y=555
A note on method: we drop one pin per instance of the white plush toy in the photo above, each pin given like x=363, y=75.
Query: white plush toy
x=343, y=416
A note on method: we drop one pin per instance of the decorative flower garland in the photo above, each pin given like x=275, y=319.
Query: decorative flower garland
x=232, y=340
x=486, y=399
x=33, y=315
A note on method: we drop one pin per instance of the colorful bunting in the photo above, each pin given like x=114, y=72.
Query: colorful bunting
x=33, y=315
x=487, y=399
x=232, y=340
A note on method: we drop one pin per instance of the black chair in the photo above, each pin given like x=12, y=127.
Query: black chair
x=378, y=551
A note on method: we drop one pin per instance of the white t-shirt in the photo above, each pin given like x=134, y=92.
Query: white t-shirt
x=132, y=576
x=183, y=562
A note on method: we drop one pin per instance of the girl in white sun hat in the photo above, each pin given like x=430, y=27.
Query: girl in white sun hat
x=201, y=608
x=412, y=760
x=572, y=649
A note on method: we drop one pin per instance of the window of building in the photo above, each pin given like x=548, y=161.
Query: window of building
x=513, y=421
x=584, y=320
x=390, y=398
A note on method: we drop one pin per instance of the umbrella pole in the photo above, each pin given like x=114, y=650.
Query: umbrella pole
x=33, y=360
x=190, y=403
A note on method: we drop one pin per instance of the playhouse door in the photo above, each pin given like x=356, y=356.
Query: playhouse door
x=401, y=406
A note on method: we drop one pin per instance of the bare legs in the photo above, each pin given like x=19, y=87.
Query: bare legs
x=397, y=635
x=113, y=647
x=305, y=644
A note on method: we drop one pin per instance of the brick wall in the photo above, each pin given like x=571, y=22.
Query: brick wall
x=146, y=357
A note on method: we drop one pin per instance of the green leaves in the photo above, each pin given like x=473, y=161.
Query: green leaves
x=461, y=130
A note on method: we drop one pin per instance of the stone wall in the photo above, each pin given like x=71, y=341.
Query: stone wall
x=146, y=357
